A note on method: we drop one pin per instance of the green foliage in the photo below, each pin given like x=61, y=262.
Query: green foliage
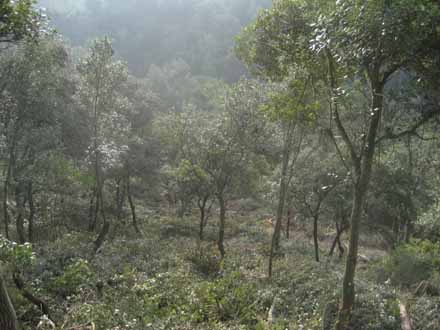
x=428, y=224
x=412, y=263
x=206, y=261
x=227, y=298
x=19, y=255
x=377, y=308
x=291, y=101
x=19, y=19
x=165, y=296
x=278, y=38
x=424, y=312
x=73, y=278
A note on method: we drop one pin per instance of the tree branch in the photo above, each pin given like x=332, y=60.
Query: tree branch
x=389, y=135
x=340, y=126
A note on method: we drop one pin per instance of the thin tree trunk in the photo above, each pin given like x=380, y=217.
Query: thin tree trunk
x=202, y=208
x=120, y=198
x=315, y=236
x=5, y=202
x=118, y=201
x=8, y=318
x=202, y=221
x=31, y=212
x=337, y=240
x=95, y=211
x=5, y=199
x=221, y=229
x=281, y=200
x=10, y=167
x=132, y=207
x=92, y=222
x=106, y=225
x=289, y=218
x=101, y=237
x=333, y=246
x=275, y=244
x=20, y=201
x=340, y=247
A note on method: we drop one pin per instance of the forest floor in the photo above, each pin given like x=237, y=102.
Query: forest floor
x=167, y=279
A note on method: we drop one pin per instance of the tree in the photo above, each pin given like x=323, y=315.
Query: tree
x=311, y=188
x=8, y=318
x=290, y=108
x=185, y=137
x=30, y=113
x=359, y=44
x=18, y=19
x=99, y=94
x=233, y=159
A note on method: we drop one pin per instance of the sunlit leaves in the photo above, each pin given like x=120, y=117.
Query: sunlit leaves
x=100, y=94
x=19, y=19
x=19, y=255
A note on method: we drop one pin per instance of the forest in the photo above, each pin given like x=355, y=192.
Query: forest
x=219, y=164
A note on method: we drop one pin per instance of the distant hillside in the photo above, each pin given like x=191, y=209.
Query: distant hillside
x=201, y=32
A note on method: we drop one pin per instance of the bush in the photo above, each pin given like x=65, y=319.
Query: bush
x=424, y=313
x=227, y=298
x=205, y=261
x=164, y=296
x=377, y=308
x=412, y=263
x=75, y=276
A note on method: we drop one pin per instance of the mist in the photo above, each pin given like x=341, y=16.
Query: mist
x=219, y=165
x=147, y=32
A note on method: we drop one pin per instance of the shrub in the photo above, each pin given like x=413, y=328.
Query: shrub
x=424, y=313
x=412, y=263
x=76, y=275
x=205, y=261
x=227, y=298
x=377, y=308
x=164, y=296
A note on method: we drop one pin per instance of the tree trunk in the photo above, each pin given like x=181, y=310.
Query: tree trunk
x=106, y=225
x=221, y=228
x=275, y=244
x=202, y=205
x=39, y=303
x=5, y=199
x=31, y=212
x=348, y=289
x=20, y=201
x=337, y=240
x=95, y=211
x=92, y=209
x=360, y=194
x=132, y=207
x=202, y=222
x=118, y=201
x=333, y=246
x=101, y=237
x=281, y=201
x=289, y=218
x=8, y=318
x=315, y=236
